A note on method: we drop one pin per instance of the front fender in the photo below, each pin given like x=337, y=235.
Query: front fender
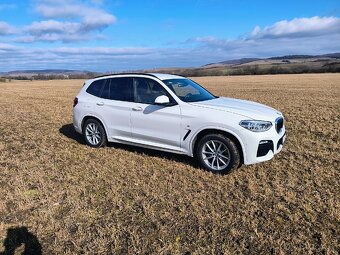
x=217, y=127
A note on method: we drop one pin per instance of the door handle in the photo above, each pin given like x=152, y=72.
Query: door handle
x=100, y=103
x=137, y=109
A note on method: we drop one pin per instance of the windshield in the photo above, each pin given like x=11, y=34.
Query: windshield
x=188, y=91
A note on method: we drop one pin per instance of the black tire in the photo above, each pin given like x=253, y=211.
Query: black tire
x=231, y=152
x=100, y=134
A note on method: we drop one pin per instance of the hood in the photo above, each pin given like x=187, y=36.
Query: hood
x=245, y=108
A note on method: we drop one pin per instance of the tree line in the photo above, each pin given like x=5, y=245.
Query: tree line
x=196, y=72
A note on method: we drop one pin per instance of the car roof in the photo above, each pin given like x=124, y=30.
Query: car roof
x=161, y=76
x=164, y=76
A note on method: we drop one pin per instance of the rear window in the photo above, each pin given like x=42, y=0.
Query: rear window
x=96, y=87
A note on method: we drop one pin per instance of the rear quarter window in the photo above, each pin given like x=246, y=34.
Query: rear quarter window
x=96, y=87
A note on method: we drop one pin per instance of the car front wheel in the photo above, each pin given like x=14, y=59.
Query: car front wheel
x=94, y=133
x=218, y=154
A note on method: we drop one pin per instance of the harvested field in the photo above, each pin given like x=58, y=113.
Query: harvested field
x=125, y=200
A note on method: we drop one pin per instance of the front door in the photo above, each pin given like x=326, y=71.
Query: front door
x=154, y=125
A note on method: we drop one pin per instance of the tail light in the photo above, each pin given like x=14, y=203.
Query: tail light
x=75, y=101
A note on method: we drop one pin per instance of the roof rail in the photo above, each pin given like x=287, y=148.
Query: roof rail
x=104, y=75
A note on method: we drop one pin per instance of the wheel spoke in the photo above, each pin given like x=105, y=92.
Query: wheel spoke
x=224, y=150
x=218, y=165
x=214, y=146
x=213, y=161
x=224, y=163
x=91, y=139
x=224, y=156
x=209, y=147
x=219, y=147
x=208, y=157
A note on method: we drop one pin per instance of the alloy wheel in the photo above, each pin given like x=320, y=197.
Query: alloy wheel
x=216, y=155
x=93, y=134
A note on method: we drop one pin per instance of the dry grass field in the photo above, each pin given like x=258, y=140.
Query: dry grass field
x=125, y=200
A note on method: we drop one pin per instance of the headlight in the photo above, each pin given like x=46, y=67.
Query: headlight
x=256, y=125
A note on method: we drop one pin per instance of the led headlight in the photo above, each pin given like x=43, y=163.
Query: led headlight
x=256, y=125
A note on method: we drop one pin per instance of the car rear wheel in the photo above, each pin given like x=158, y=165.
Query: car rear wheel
x=218, y=154
x=94, y=133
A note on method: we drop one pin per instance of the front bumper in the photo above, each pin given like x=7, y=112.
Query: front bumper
x=262, y=146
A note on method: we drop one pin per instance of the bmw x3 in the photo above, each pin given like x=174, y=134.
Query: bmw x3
x=175, y=114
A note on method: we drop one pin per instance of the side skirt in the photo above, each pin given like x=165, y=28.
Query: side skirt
x=153, y=146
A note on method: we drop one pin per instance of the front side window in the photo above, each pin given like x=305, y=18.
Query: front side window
x=147, y=90
x=188, y=91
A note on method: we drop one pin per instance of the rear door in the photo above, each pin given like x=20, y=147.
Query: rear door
x=114, y=107
x=154, y=125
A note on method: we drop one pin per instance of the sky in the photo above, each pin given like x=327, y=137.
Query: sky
x=117, y=35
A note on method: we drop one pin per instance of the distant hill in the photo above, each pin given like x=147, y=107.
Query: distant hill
x=48, y=74
x=45, y=71
x=288, y=64
x=294, y=58
x=233, y=62
x=332, y=55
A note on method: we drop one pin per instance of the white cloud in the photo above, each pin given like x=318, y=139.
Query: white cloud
x=67, y=21
x=4, y=47
x=97, y=58
x=315, y=35
x=90, y=17
x=53, y=30
x=133, y=58
x=322, y=37
x=97, y=21
x=299, y=27
x=105, y=51
x=60, y=10
x=6, y=29
x=52, y=27
x=24, y=39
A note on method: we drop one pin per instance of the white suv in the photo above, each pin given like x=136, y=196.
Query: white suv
x=175, y=114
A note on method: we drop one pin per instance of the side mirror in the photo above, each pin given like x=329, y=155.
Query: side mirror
x=162, y=100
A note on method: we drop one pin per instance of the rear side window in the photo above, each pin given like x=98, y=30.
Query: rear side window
x=106, y=90
x=96, y=87
x=121, y=89
x=115, y=89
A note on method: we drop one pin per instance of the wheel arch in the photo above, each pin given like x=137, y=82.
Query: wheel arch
x=85, y=118
x=226, y=133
